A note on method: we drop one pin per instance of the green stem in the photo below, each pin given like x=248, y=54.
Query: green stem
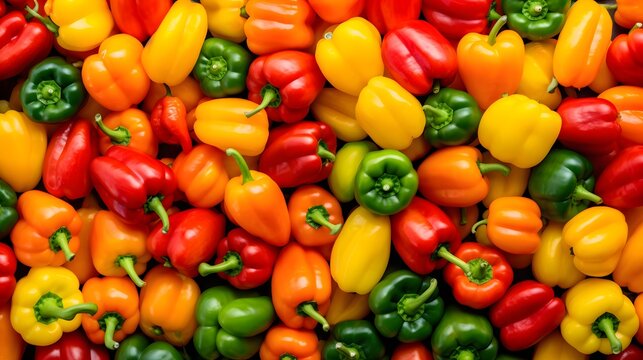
x=319, y=217
x=127, y=264
x=348, y=352
x=325, y=154
x=309, y=309
x=496, y=29
x=636, y=26
x=270, y=94
x=446, y=255
x=607, y=327
x=157, y=330
x=243, y=13
x=413, y=304
x=49, y=309
x=463, y=216
x=387, y=184
x=609, y=6
x=476, y=225
x=231, y=263
x=168, y=91
x=466, y=355
x=154, y=204
x=50, y=25
x=61, y=242
x=241, y=163
x=436, y=86
x=111, y=323
x=580, y=193
x=493, y=15
x=118, y=136
x=552, y=85
x=485, y=168
x=439, y=116
x=481, y=271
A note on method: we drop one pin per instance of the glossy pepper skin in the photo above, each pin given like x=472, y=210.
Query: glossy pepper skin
x=334, y=12
x=126, y=128
x=337, y=110
x=388, y=15
x=53, y=92
x=553, y=264
x=71, y=150
x=225, y=19
x=168, y=121
x=631, y=353
x=625, y=57
x=8, y=266
x=514, y=184
x=281, y=341
x=22, y=43
x=554, y=346
x=139, y=19
x=537, y=72
x=82, y=265
x=411, y=351
x=627, y=272
x=628, y=13
x=463, y=334
x=138, y=347
x=346, y=306
x=201, y=175
x=619, y=184
x=357, y=338
x=8, y=212
x=222, y=68
x=315, y=215
x=454, y=21
x=536, y=19
x=342, y=176
x=452, y=118
x=73, y=345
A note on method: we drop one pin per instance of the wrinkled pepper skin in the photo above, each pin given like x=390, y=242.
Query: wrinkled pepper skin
x=222, y=68
x=140, y=18
x=537, y=73
x=168, y=119
x=282, y=341
x=628, y=272
x=553, y=264
x=8, y=212
x=22, y=43
x=347, y=160
x=354, y=337
x=388, y=15
x=536, y=19
x=619, y=185
x=465, y=335
x=452, y=118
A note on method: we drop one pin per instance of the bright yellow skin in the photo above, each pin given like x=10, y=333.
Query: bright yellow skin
x=346, y=306
x=537, y=73
x=83, y=24
x=225, y=20
x=555, y=347
x=501, y=185
x=337, y=110
x=553, y=265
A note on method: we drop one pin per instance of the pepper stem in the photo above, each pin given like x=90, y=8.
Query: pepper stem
x=493, y=15
x=157, y=330
x=446, y=255
x=309, y=309
x=485, y=168
x=230, y=263
x=496, y=29
x=463, y=216
x=439, y=116
x=466, y=355
x=50, y=25
x=269, y=95
x=61, y=242
x=127, y=263
x=241, y=163
x=320, y=217
x=118, y=136
x=413, y=304
x=476, y=225
x=111, y=323
x=154, y=204
x=609, y=6
x=324, y=153
x=168, y=91
x=636, y=26
x=552, y=85
x=49, y=309
x=436, y=86
x=347, y=351
x=481, y=271
x=243, y=13
x=580, y=193
x=607, y=327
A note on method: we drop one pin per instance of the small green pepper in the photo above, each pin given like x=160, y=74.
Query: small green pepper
x=138, y=347
x=8, y=212
x=355, y=340
x=536, y=19
x=342, y=177
x=463, y=335
x=222, y=68
x=452, y=118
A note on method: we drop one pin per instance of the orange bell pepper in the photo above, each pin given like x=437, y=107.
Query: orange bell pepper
x=255, y=202
x=634, y=218
x=628, y=13
x=119, y=249
x=47, y=232
x=301, y=287
x=629, y=271
x=516, y=261
x=128, y=128
x=13, y=346
x=336, y=11
x=463, y=218
x=117, y=315
x=167, y=306
x=315, y=216
x=82, y=265
x=638, y=305
x=282, y=342
x=189, y=91
x=115, y=77
x=491, y=65
x=201, y=175
x=277, y=25
x=629, y=102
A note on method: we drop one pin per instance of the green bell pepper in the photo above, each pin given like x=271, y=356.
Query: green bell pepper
x=406, y=306
x=385, y=182
x=355, y=340
x=230, y=323
x=342, y=177
x=561, y=185
x=222, y=68
x=452, y=118
x=464, y=336
x=8, y=212
x=53, y=92
x=536, y=19
x=138, y=347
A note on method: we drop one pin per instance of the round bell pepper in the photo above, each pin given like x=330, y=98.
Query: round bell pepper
x=553, y=264
x=514, y=184
x=334, y=12
x=315, y=216
x=226, y=18
x=282, y=342
x=222, y=68
x=536, y=19
x=628, y=13
x=138, y=347
x=624, y=57
x=347, y=160
x=463, y=335
x=619, y=184
x=201, y=175
x=537, y=73
x=628, y=271
x=452, y=118
x=555, y=347
x=387, y=15
x=337, y=110
x=354, y=339
x=126, y=128
x=73, y=345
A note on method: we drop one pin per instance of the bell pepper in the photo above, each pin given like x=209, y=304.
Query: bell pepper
x=71, y=346
x=138, y=347
x=627, y=272
x=222, y=68
x=513, y=184
x=536, y=19
x=634, y=218
x=619, y=184
x=7, y=273
x=411, y=351
x=282, y=342
x=47, y=232
x=463, y=335
x=628, y=13
x=346, y=306
x=126, y=128
x=13, y=347
x=46, y=303
x=491, y=66
x=301, y=286
x=537, y=72
x=354, y=339
x=604, y=79
x=255, y=202
x=178, y=41
x=631, y=353
x=334, y=12
x=22, y=44
x=361, y=251
x=452, y=118
x=226, y=18
x=82, y=264
x=337, y=110
x=586, y=35
x=230, y=323
x=463, y=218
x=553, y=264
x=389, y=114
x=66, y=166
x=168, y=121
x=350, y=55
x=278, y=25
x=455, y=176
x=347, y=160
x=315, y=216
x=624, y=57
x=53, y=92
x=115, y=77
x=454, y=21
x=527, y=313
x=517, y=261
x=8, y=212
x=139, y=19
x=222, y=124
x=599, y=317
x=624, y=97
x=145, y=188
x=555, y=347
x=201, y=175
x=418, y=57
x=388, y=15
x=638, y=305
x=299, y=154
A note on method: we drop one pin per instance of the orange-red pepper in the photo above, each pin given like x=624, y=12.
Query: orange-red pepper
x=629, y=102
x=128, y=128
x=189, y=91
x=628, y=13
x=201, y=175
x=282, y=342
x=315, y=216
x=336, y=11
x=168, y=120
x=13, y=346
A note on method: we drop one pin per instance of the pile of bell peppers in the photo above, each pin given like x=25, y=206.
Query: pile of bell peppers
x=321, y=179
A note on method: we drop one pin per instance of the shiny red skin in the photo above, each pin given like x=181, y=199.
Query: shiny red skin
x=169, y=124
x=8, y=265
x=388, y=15
x=625, y=58
x=411, y=351
x=456, y=18
x=620, y=185
x=22, y=44
x=139, y=18
x=632, y=352
x=72, y=346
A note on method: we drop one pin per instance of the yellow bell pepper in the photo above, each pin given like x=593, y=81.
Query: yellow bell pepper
x=389, y=114
x=350, y=55
x=555, y=347
x=518, y=130
x=599, y=317
x=537, y=73
x=337, y=110
x=553, y=264
x=629, y=271
x=47, y=303
x=604, y=79
x=226, y=18
x=596, y=237
x=346, y=306
x=501, y=185
x=82, y=24
x=361, y=252
x=170, y=54
x=27, y=142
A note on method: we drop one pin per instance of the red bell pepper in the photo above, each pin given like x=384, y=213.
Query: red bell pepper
x=285, y=83
x=620, y=185
x=22, y=44
x=625, y=57
x=420, y=233
x=139, y=18
x=632, y=352
x=8, y=264
x=22, y=4
x=134, y=185
x=244, y=260
x=478, y=275
x=72, y=148
x=169, y=121
x=527, y=313
x=454, y=19
x=418, y=57
x=411, y=351
x=298, y=154
x=72, y=346
x=193, y=238
x=3, y=8
x=387, y=15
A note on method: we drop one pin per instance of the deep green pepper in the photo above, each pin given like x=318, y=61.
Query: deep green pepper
x=222, y=68
x=8, y=212
x=138, y=347
x=230, y=323
x=452, y=118
x=464, y=336
x=561, y=185
x=536, y=19
x=406, y=306
x=53, y=92
x=355, y=340
x=385, y=182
